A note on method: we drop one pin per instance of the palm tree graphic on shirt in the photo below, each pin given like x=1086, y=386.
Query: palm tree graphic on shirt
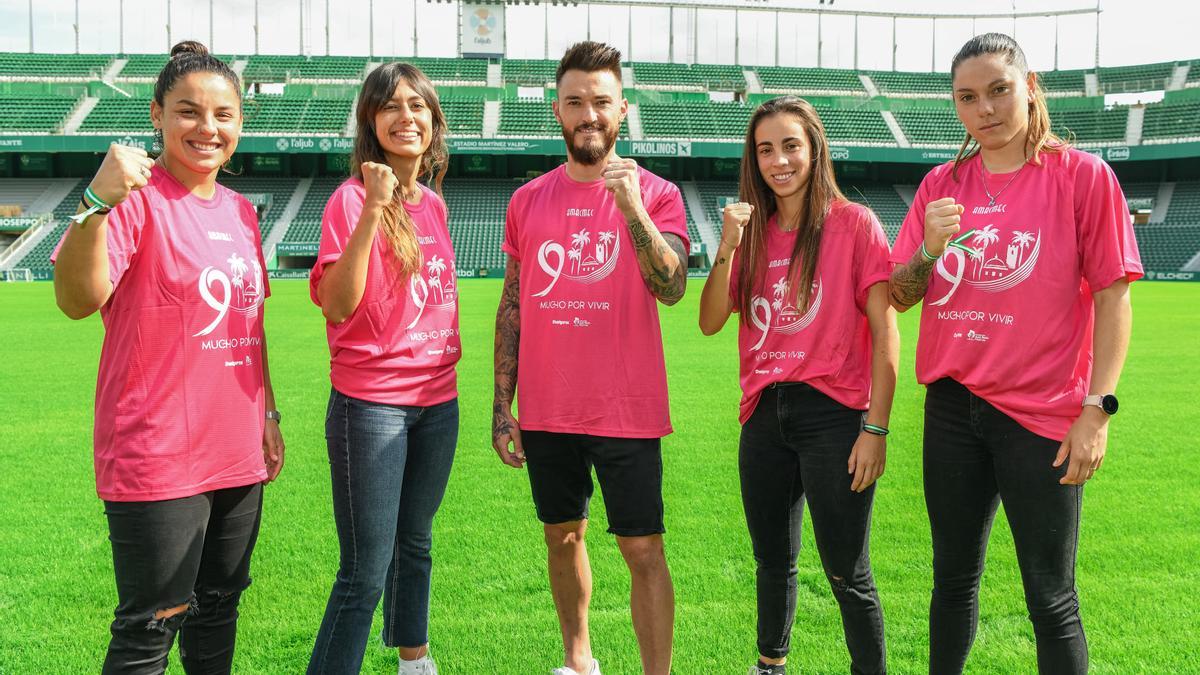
x=985, y=237
x=606, y=239
x=1023, y=241
x=578, y=241
x=237, y=265
x=436, y=266
x=780, y=289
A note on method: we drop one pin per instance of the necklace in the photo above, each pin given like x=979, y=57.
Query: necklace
x=992, y=197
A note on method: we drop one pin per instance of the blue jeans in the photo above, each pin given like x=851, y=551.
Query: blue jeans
x=389, y=466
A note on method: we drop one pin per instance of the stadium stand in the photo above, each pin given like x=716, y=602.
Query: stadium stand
x=34, y=115
x=907, y=84
x=477, y=210
x=698, y=76
x=887, y=204
x=274, y=68
x=464, y=115
x=1167, y=248
x=1061, y=82
x=1091, y=126
x=527, y=117
x=1177, y=121
x=1185, y=204
x=930, y=126
x=531, y=72
x=1148, y=77
x=781, y=80
x=306, y=226
x=120, y=115
x=269, y=113
x=17, y=65
x=698, y=119
x=280, y=189
x=39, y=257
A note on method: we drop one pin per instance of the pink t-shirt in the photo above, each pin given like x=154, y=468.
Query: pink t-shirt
x=1012, y=321
x=591, y=358
x=829, y=345
x=401, y=344
x=179, y=395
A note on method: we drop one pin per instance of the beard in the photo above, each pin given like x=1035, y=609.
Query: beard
x=591, y=153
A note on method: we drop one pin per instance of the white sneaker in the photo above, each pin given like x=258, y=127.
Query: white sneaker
x=595, y=670
x=422, y=666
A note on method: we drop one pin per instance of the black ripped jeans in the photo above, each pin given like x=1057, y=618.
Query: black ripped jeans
x=976, y=458
x=192, y=551
x=796, y=448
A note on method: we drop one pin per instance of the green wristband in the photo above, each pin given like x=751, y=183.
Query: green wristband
x=876, y=430
x=925, y=252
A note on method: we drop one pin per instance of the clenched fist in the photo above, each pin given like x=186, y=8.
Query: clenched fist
x=381, y=183
x=735, y=217
x=942, y=218
x=621, y=179
x=123, y=170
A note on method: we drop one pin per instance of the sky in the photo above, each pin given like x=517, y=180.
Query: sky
x=1131, y=31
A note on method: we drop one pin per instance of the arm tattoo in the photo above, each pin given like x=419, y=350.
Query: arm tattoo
x=662, y=260
x=508, y=341
x=909, y=282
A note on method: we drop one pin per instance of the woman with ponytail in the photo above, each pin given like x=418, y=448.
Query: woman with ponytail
x=807, y=271
x=385, y=281
x=1022, y=340
x=186, y=430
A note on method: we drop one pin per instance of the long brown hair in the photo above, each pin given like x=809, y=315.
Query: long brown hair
x=820, y=194
x=1038, y=136
x=377, y=90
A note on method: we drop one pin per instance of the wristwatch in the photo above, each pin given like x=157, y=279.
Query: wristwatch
x=274, y=415
x=1105, y=402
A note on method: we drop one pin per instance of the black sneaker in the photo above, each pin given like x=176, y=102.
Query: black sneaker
x=761, y=668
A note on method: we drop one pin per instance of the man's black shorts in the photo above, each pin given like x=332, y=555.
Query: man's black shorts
x=629, y=471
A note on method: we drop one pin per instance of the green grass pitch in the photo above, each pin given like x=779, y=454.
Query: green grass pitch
x=1139, y=557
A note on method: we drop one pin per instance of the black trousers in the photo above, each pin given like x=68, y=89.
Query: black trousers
x=975, y=458
x=192, y=551
x=795, y=448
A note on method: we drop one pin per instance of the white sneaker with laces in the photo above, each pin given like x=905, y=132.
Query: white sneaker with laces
x=421, y=666
x=563, y=670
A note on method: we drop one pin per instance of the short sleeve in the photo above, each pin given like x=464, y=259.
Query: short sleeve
x=250, y=220
x=337, y=224
x=871, y=264
x=667, y=214
x=512, y=216
x=123, y=232
x=912, y=231
x=1107, y=246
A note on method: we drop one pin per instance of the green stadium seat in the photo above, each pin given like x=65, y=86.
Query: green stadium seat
x=268, y=113
x=1185, y=204
x=698, y=76
x=119, y=115
x=900, y=83
x=529, y=72
x=1145, y=77
x=1091, y=126
x=1167, y=248
x=38, y=115
x=53, y=66
x=1177, y=121
x=524, y=117
x=782, y=80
